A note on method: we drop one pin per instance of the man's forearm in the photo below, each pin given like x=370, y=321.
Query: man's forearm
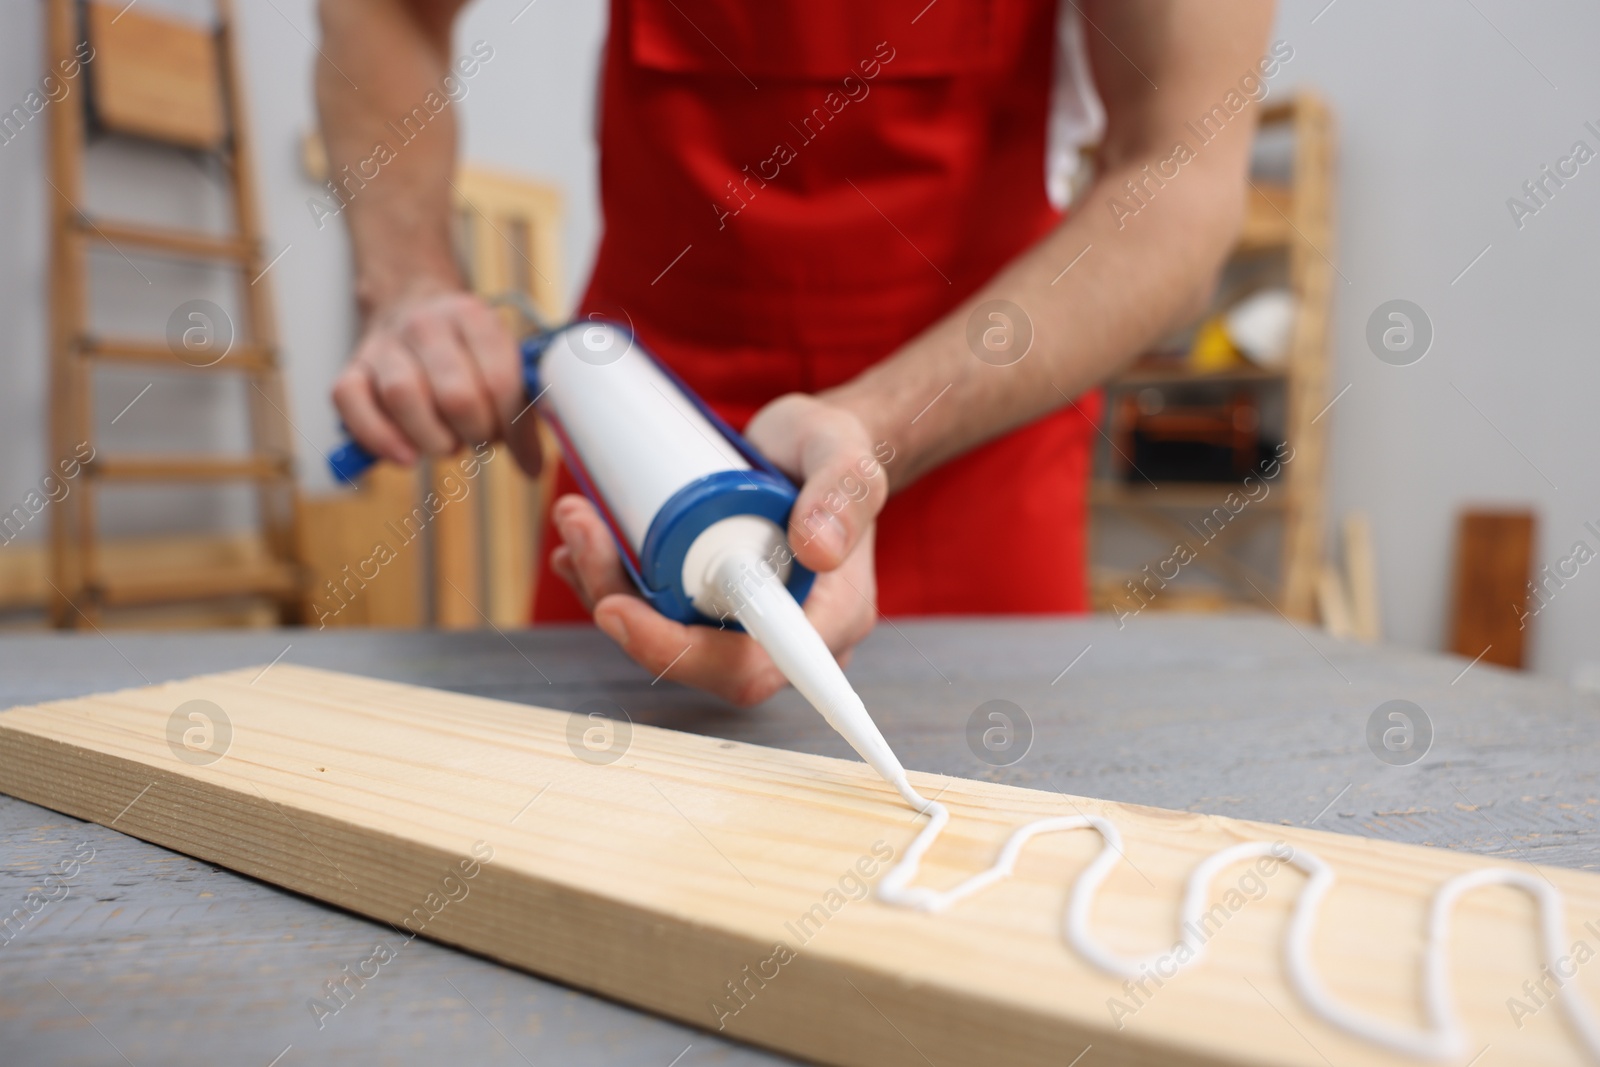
x=383, y=59
x=935, y=399
x=1137, y=277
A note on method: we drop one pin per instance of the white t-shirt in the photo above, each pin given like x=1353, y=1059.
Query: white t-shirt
x=1077, y=118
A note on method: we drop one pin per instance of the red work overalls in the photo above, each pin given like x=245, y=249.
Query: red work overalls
x=791, y=192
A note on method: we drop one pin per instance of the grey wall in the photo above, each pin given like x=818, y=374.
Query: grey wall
x=1445, y=108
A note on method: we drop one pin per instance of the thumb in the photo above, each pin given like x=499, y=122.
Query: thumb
x=844, y=486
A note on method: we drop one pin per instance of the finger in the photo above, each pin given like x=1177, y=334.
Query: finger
x=595, y=560
x=499, y=364
x=844, y=486
x=731, y=664
x=459, y=392
x=357, y=402
x=403, y=391
x=725, y=663
x=494, y=355
x=838, y=503
x=561, y=563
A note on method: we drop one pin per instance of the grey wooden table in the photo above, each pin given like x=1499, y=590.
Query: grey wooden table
x=151, y=957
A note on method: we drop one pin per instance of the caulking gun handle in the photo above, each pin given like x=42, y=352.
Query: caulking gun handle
x=350, y=461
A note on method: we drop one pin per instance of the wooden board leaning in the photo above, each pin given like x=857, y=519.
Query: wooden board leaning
x=728, y=884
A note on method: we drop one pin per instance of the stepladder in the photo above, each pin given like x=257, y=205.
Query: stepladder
x=172, y=86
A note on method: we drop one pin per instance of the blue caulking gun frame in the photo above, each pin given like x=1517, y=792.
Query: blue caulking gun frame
x=659, y=465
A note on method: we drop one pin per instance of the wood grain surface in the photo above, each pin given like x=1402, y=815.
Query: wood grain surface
x=152, y=957
x=668, y=875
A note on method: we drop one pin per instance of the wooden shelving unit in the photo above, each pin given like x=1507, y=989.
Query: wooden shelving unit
x=1147, y=375
x=1293, y=223
x=1170, y=495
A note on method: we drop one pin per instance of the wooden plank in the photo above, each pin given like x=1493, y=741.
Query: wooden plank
x=190, y=468
x=24, y=566
x=1494, y=566
x=241, y=358
x=666, y=877
x=1268, y=209
x=169, y=241
x=71, y=424
x=1361, y=567
x=1311, y=278
x=147, y=936
x=196, y=582
x=156, y=77
x=1333, y=603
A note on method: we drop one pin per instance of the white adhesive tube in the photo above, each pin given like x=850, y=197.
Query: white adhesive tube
x=639, y=438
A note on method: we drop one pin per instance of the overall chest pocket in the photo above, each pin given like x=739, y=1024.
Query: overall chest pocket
x=815, y=40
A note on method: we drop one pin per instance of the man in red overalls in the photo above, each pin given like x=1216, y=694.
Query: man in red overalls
x=831, y=219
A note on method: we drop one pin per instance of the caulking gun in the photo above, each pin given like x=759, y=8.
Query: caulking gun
x=698, y=515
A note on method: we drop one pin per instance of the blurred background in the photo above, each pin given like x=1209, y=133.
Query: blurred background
x=1425, y=344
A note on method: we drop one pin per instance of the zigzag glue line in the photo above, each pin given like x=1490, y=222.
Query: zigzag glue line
x=1444, y=1037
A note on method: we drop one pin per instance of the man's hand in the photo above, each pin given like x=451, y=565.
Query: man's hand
x=844, y=487
x=433, y=371
x=1151, y=237
x=435, y=367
